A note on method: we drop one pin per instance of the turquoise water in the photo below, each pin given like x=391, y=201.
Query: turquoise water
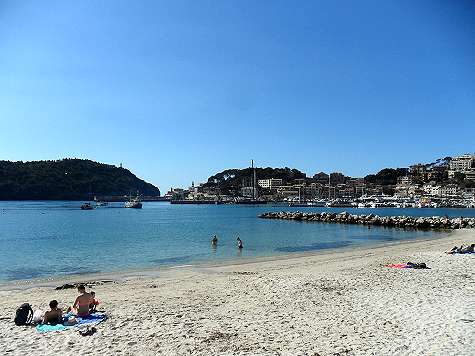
x=40, y=239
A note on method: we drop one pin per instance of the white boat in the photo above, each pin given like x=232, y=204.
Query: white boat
x=100, y=202
x=133, y=203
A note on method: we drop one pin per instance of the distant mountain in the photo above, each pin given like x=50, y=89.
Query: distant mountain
x=68, y=179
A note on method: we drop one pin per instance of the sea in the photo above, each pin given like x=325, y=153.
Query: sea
x=42, y=239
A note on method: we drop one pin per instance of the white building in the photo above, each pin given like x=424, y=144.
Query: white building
x=448, y=190
x=249, y=192
x=435, y=190
x=470, y=175
x=404, y=180
x=462, y=163
x=427, y=188
x=272, y=183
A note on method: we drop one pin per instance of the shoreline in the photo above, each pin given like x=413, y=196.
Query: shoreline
x=342, y=302
x=157, y=271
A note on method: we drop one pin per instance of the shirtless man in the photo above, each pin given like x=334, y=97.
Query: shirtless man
x=81, y=305
x=53, y=316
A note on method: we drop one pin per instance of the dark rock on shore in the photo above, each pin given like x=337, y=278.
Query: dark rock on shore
x=89, y=284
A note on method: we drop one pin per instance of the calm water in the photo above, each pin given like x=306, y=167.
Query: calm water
x=39, y=239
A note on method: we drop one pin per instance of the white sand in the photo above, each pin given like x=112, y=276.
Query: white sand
x=338, y=303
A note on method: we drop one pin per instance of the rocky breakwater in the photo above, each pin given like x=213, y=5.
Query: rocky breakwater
x=431, y=222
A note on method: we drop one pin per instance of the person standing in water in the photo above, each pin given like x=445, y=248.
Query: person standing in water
x=239, y=243
x=214, y=241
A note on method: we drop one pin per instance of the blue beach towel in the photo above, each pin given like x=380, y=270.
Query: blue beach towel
x=92, y=319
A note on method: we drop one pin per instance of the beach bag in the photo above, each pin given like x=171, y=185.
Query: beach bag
x=24, y=314
x=38, y=316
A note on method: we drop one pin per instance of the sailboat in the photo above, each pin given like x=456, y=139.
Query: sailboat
x=254, y=198
x=133, y=203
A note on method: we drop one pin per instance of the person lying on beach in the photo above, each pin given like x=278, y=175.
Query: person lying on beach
x=469, y=249
x=81, y=304
x=453, y=250
x=214, y=241
x=420, y=265
x=462, y=249
x=94, y=303
x=53, y=316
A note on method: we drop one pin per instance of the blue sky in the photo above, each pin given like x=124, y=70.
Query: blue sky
x=179, y=90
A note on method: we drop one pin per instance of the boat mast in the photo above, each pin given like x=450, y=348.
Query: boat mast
x=253, y=181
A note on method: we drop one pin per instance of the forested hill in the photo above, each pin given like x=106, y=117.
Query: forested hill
x=68, y=179
x=230, y=180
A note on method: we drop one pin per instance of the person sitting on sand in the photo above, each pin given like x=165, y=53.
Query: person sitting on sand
x=239, y=243
x=53, y=316
x=214, y=241
x=81, y=304
x=94, y=303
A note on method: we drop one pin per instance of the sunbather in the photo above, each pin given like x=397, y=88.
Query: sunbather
x=462, y=249
x=53, y=316
x=468, y=249
x=81, y=304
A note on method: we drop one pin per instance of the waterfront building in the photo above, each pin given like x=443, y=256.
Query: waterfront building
x=448, y=190
x=360, y=190
x=271, y=183
x=176, y=194
x=435, y=190
x=470, y=175
x=249, y=192
x=426, y=188
x=404, y=180
x=287, y=191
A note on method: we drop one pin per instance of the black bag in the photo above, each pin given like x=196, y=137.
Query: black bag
x=24, y=314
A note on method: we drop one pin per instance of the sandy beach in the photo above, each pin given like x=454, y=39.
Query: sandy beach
x=333, y=303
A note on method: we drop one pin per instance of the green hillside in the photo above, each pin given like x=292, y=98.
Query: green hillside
x=68, y=179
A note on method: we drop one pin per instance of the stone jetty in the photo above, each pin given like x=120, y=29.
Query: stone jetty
x=432, y=222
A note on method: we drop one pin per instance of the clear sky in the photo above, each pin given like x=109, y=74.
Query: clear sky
x=179, y=90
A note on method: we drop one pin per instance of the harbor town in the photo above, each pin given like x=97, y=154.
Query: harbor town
x=447, y=182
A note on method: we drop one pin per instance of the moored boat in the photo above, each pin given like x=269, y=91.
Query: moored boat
x=133, y=203
x=87, y=206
